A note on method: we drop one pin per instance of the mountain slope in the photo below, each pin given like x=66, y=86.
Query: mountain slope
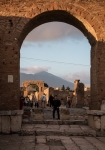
x=50, y=79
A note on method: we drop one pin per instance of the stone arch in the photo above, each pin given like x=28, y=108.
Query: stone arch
x=61, y=16
x=38, y=84
x=24, y=16
x=55, y=15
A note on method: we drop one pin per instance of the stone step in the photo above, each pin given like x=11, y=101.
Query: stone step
x=57, y=130
x=57, y=122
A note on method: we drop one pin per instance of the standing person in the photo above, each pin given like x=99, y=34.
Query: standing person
x=37, y=99
x=21, y=102
x=33, y=100
x=51, y=98
x=43, y=100
x=69, y=101
x=26, y=101
x=56, y=105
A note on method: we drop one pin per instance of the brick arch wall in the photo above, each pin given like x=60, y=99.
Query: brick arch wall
x=15, y=18
x=39, y=83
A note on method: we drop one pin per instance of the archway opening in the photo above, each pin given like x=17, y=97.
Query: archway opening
x=61, y=16
x=56, y=49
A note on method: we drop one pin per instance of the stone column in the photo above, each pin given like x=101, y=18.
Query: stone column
x=97, y=75
x=79, y=92
x=9, y=76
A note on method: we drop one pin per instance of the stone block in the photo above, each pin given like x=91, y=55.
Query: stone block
x=103, y=122
x=95, y=112
x=41, y=139
x=64, y=114
x=0, y=123
x=38, y=114
x=16, y=112
x=103, y=107
x=5, y=124
x=16, y=122
x=97, y=122
x=5, y=113
x=91, y=121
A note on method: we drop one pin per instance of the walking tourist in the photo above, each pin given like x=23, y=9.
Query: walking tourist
x=26, y=102
x=69, y=101
x=34, y=101
x=21, y=102
x=43, y=100
x=51, y=100
x=56, y=104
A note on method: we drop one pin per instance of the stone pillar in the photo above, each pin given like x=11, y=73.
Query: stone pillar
x=9, y=76
x=97, y=75
x=79, y=92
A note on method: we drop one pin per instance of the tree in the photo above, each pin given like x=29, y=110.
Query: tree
x=46, y=85
x=63, y=88
x=68, y=88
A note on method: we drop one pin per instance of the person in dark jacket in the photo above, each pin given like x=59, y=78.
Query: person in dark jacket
x=21, y=102
x=56, y=104
x=51, y=100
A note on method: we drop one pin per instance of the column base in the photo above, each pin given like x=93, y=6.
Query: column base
x=96, y=120
x=10, y=121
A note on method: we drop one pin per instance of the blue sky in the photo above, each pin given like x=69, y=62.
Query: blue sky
x=57, y=42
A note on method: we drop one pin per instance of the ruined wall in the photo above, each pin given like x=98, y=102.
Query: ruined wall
x=61, y=94
x=79, y=92
x=18, y=18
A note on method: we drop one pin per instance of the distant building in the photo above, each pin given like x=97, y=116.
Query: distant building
x=57, y=88
x=87, y=89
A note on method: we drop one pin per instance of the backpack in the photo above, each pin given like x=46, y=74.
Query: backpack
x=43, y=98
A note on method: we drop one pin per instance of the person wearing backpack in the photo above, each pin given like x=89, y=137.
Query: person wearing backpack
x=43, y=100
x=56, y=104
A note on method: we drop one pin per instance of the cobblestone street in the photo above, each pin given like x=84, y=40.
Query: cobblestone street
x=54, y=134
x=75, y=113
x=16, y=142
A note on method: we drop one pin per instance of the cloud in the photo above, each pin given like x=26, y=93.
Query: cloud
x=28, y=44
x=84, y=77
x=54, y=31
x=34, y=69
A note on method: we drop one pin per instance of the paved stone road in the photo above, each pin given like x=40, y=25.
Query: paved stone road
x=16, y=142
x=75, y=113
x=54, y=136
x=65, y=130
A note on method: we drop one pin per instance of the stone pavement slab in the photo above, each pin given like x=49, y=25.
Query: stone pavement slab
x=99, y=144
x=41, y=139
x=53, y=127
x=57, y=148
x=66, y=130
x=16, y=142
x=44, y=126
x=42, y=147
x=53, y=138
x=102, y=139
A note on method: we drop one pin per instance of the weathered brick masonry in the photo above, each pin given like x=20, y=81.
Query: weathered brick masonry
x=19, y=17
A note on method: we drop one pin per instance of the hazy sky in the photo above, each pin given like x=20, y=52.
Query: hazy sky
x=57, y=48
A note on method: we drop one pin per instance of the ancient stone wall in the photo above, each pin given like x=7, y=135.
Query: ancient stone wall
x=61, y=95
x=18, y=18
